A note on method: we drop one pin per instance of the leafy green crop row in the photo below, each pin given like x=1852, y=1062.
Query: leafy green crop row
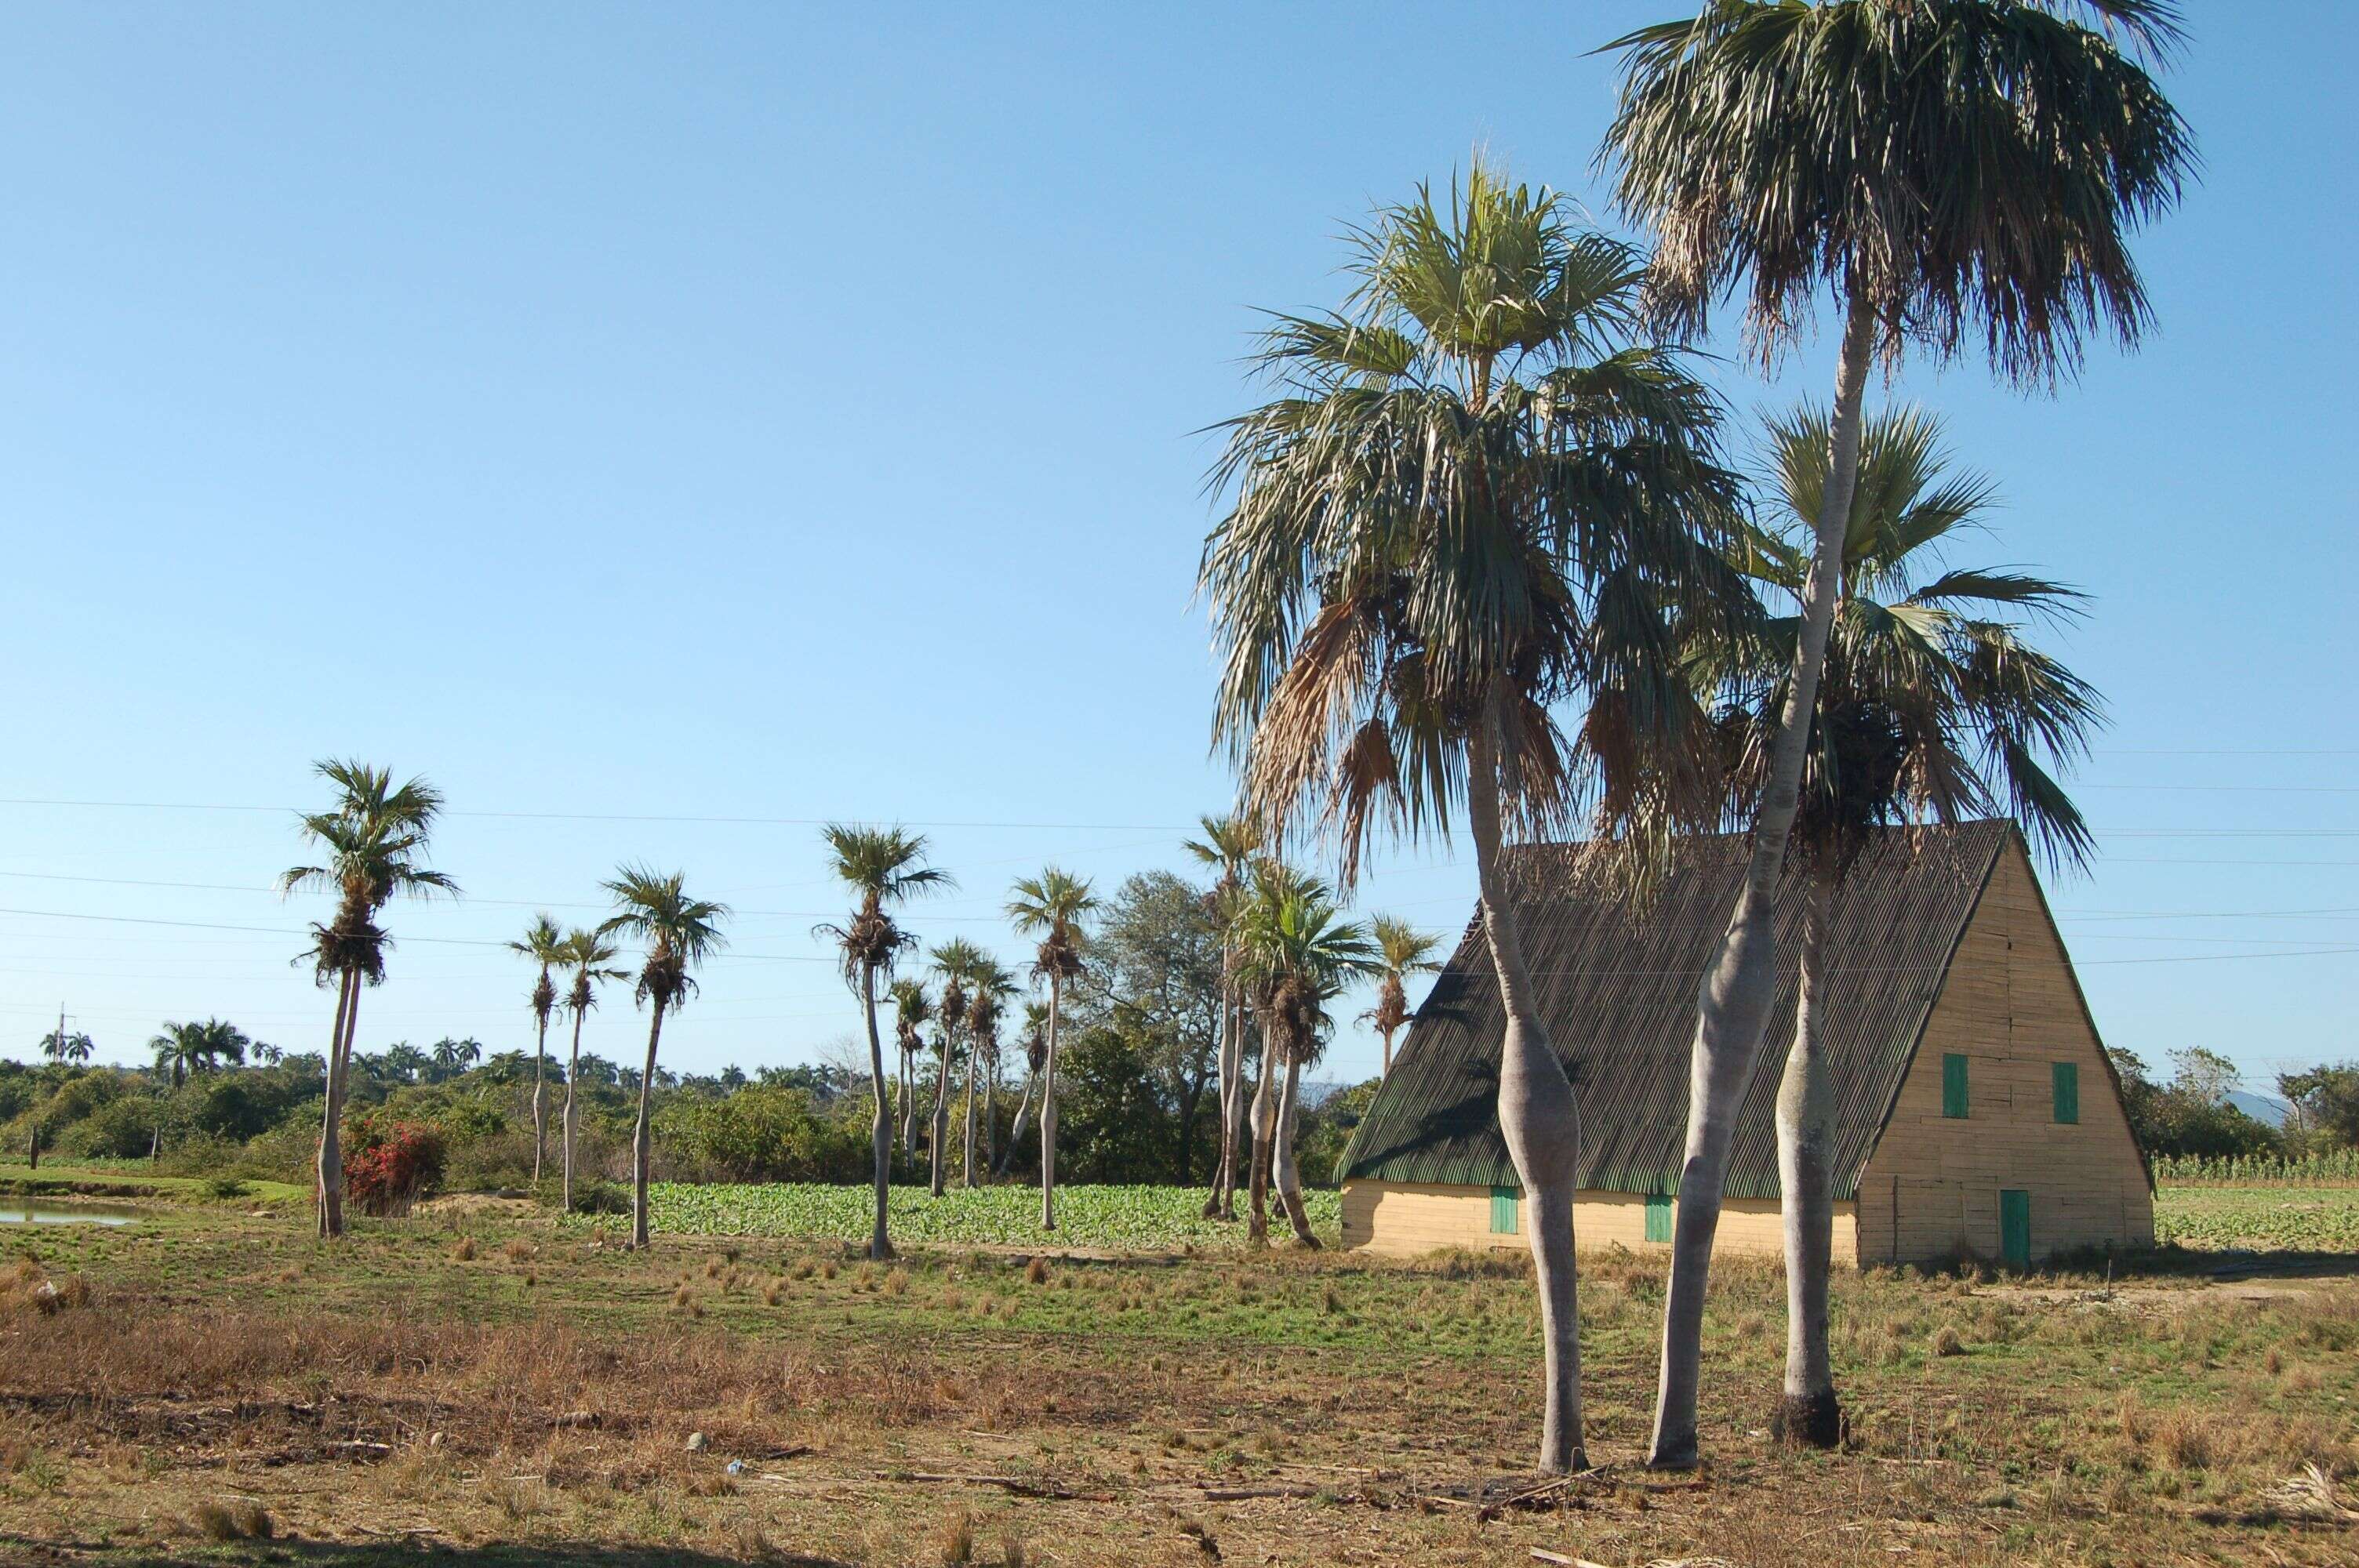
x=1144, y=1218
x=2302, y=1220
x=2332, y=1168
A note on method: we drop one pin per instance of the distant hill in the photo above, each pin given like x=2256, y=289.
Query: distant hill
x=2266, y=1109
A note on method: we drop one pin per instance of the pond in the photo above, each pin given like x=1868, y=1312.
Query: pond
x=41, y=1213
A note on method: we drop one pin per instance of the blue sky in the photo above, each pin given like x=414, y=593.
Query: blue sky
x=631, y=414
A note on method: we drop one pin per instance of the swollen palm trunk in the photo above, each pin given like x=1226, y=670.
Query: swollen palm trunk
x=1538, y=1118
x=1263, y=1121
x=539, y=1097
x=572, y=1077
x=1732, y=1012
x=1048, y=1109
x=969, y=1149
x=1015, y=1129
x=941, y=1122
x=1809, y=1414
x=1289, y=1179
x=642, y=1138
x=330, y=1193
x=881, y=1131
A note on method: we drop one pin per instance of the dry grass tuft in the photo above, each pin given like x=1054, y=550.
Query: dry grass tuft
x=520, y=1251
x=1036, y=1272
x=1946, y=1342
x=1011, y=1548
x=958, y=1539
x=241, y=1518
x=461, y=1253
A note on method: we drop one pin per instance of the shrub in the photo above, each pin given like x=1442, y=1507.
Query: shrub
x=388, y=1165
x=122, y=1129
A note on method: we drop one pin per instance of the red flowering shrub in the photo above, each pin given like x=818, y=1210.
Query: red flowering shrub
x=388, y=1165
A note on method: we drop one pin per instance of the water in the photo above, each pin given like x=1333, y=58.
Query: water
x=59, y=1213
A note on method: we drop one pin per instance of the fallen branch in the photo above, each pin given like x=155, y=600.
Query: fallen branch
x=1014, y=1486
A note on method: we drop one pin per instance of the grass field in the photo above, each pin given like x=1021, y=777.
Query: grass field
x=478, y=1386
x=1126, y=1219
x=2283, y=1218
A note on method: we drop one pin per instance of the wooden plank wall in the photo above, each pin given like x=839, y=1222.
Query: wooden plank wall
x=1408, y=1218
x=2012, y=1008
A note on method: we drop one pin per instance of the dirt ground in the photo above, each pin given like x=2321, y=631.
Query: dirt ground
x=470, y=1386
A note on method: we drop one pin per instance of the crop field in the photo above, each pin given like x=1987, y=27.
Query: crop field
x=477, y=1386
x=1114, y=1219
x=2292, y=1219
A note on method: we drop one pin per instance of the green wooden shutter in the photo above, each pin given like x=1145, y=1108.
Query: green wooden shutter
x=1659, y=1216
x=1953, y=1087
x=2068, y=1091
x=1504, y=1218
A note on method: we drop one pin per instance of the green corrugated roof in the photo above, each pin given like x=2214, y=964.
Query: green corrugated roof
x=1617, y=989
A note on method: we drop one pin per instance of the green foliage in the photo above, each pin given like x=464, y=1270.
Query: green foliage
x=2186, y=1117
x=2322, y=1168
x=2264, y=1218
x=760, y=1134
x=1146, y=1217
x=2326, y=1099
x=1326, y=1128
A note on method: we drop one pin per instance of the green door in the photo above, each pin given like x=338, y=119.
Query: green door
x=2015, y=1228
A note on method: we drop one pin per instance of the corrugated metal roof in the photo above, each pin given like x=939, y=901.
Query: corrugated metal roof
x=1617, y=989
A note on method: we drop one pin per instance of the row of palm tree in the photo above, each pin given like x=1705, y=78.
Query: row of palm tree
x=375, y=839
x=1489, y=488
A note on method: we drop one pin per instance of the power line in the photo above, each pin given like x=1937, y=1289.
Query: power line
x=627, y=817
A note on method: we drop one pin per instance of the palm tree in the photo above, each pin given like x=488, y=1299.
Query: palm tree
x=680, y=932
x=262, y=1051
x=374, y=838
x=1404, y=951
x=1052, y=906
x=61, y=1046
x=1296, y=954
x=1945, y=168
x=884, y=868
x=1229, y=845
x=912, y=1010
x=1480, y=492
x=991, y=985
x=1933, y=707
x=185, y=1048
x=452, y=1057
x=544, y=945
x=1035, y=1054
x=957, y=962
x=588, y=954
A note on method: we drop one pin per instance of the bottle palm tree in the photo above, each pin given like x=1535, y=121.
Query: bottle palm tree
x=589, y=954
x=1948, y=169
x=544, y=946
x=991, y=986
x=1052, y=906
x=884, y=868
x=1403, y=951
x=1480, y=492
x=1932, y=706
x=680, y=932
x=1228, y=847
x=185, y=1048
x=1296, y=954
x=375, y=839
x=956, y=962
x=913, y=1008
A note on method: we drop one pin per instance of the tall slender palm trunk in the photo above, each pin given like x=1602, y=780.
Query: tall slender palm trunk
x=968, y=1174
x=539, y=1095
x=939, y=1154
x=1289, y=1179
x=1220, y=1203
x=881, y=1131
x=908, y=1103
x=1732, y=1006
x=1262, y=1119
x=1809, y=1414
x=642, y=1134
x=1015, y=1129
x=1049, y=1107
x=329, y=1195
x=572, y=1077
x=1386, y=1070
x=1539, y=1116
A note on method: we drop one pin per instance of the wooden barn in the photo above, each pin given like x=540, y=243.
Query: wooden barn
x=1976, y=1114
